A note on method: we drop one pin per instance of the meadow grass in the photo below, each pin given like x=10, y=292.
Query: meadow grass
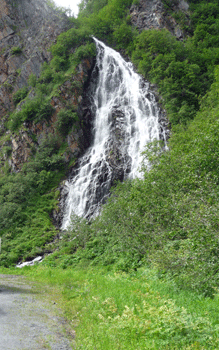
x=112, y=310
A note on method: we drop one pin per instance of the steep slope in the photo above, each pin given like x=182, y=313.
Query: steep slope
x=27, y=29
x=144, y=220
x=37, y=113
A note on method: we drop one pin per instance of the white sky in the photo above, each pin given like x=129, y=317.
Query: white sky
x=69, y=3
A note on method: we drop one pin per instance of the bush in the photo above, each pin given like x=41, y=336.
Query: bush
x=20, y=95
x=177, y=71
x=69, y=40
x=16, y=50
x=32, y=80
x=123, y=35
x=37, y=109
x=82, y=52
x=65, y=121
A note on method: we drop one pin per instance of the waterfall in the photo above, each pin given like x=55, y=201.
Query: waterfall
x=126, y=118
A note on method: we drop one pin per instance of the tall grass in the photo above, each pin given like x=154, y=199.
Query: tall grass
x=111, y=310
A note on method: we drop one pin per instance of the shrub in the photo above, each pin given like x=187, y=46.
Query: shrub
x=16, y=50
x=65, y=121
x=20, y=95
x=32, y=80
x=123, y=35
x=33, y=110
x=83, y=51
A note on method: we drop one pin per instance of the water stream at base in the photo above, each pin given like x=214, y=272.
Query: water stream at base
x=126, y=118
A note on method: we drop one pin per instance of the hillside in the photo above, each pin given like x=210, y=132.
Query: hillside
x=46, y=123
x=39, y=144
x=168, y=219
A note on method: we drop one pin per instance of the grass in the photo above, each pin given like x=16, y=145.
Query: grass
x=111, y=310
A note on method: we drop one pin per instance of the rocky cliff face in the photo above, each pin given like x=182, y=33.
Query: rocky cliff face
x=27, y=29
x=151, y=14
x=17, y=147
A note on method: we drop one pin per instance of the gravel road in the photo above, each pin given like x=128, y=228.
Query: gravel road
x=29, y=320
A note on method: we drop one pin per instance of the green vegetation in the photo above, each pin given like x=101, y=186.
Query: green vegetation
x=27, y=199
x=16, y=50
x=20, y=95
x=112, y=310
x=145, y=273
x=165, y=61
x=32, y=80
x=169, y=219
x=36, y=109
x=66, y=119
x=182, y=70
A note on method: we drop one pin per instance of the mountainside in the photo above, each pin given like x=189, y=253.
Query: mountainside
x=48, y=72
x=41, y=110
x=27, y=31
x=80, y=97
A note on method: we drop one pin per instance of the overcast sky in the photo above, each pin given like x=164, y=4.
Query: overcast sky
x=69, y=3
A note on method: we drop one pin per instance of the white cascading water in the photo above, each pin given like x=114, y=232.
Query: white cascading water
x=118, y=88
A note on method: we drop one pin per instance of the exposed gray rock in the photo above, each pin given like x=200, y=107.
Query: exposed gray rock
x=32, y=26
x=183, y=5
x=151, y=14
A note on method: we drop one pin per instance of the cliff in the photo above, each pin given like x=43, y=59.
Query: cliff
x=152, y=14
x=27, y=30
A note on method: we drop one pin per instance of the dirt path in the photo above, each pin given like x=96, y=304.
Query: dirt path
x=27, y=321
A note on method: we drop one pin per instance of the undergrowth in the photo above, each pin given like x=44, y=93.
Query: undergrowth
x=169, y=219
x=111, y=310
